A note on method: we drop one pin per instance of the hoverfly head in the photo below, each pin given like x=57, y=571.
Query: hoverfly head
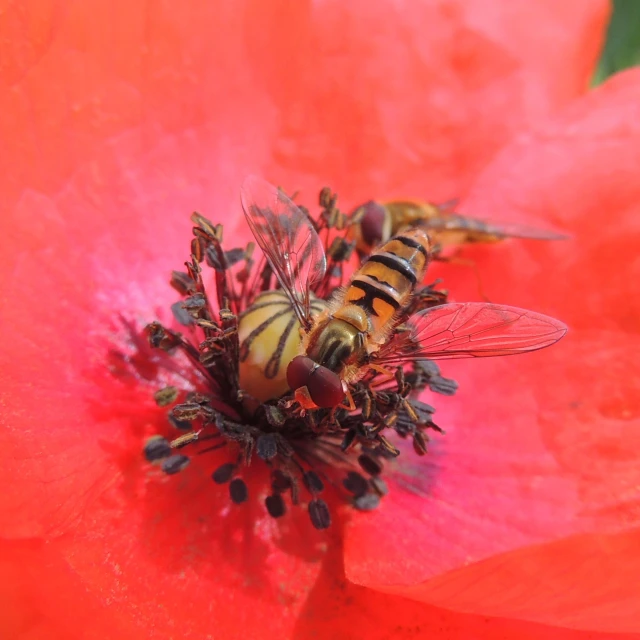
x=324, y=386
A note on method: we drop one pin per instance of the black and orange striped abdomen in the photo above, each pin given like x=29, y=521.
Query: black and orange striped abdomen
x=384, y=283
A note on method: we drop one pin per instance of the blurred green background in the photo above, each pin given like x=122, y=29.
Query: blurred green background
x=622, y=48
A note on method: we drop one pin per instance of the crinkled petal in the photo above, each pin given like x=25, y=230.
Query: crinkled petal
x=530, y=504
x=117, y=120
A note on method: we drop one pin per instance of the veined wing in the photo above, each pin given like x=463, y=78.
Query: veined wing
x=288, y=240
x=470, y=330
x=486, y=230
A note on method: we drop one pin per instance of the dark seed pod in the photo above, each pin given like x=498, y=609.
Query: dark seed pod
x=266, y=446
x=223, y=473
x=356, y=484
x=367, y=502
x=313, y=482
x=156, y=448
x=319, y=514
x=238, y=491
x=166, y=396
x=275, y=505
x=174, y=464
x=370, y=465
x=279, y=481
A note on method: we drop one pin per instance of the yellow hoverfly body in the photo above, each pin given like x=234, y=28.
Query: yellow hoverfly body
x=357, y=332
x=269, y=336
x=376, y=222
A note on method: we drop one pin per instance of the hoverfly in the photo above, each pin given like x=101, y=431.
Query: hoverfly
x=366, y=326
x=375, y=222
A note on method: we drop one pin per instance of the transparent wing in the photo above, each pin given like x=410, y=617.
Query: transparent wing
x=288, y=240
x=522, y=231
x=485, y=230
x=470, y=330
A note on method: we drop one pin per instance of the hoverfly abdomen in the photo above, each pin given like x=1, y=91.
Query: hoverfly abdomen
x=269, y=334
x=385, y=282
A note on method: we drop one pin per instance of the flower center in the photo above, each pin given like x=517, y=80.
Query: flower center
x=239, y=333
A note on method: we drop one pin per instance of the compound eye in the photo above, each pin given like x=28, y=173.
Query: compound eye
x=325, y=388
x=299, y=371
x=372, y=224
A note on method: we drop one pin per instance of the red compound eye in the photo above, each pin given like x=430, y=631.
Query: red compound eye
x=372, y=223
x=325, y=386
x=299, y=371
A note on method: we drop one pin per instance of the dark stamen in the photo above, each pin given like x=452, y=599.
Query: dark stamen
x=238, y=491
x=157, y=448
x=319, y=514
x=356, y=484
x=223, y=473
x=279, y=481
x=313, y=482
x=371, y=466
x=275, y=505
x=174, y=464
x=367, y=502
x=266, y=446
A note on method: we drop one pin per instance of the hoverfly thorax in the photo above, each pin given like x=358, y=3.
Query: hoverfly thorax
x=336, y=344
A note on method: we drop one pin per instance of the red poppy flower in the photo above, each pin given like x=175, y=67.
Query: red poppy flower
x=118, y=120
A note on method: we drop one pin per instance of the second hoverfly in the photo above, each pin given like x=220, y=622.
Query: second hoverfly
x=366, y=327
x=375, y=222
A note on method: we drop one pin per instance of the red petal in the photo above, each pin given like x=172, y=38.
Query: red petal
x=116, y=122
x=544, y=446
x=35, y=570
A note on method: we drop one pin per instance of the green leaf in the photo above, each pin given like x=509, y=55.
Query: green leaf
x=622, y=47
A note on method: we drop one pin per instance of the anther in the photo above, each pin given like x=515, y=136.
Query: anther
x=157, y=448
x=280, y=481
x=223, y=473
x=166, y=396
x=174, y=464
x=238, y=491
x=371, y=466
x=266, y=446
x=355, y=483
x=313, y=482
x=367, y=502
x=319, y=514
x=275, y=505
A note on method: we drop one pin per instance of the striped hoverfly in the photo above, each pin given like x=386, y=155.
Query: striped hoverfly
x=376, y=222
x=367, y=325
